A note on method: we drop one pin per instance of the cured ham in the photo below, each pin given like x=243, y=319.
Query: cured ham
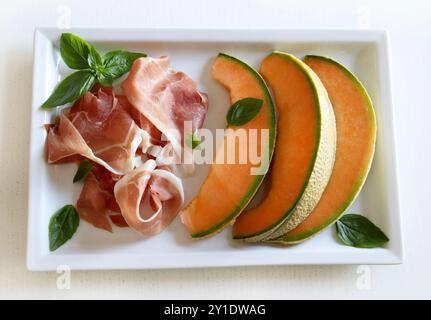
x=142, y=122
x=99, y=128
x=97, y=200
x=118, y=220
x=92, y=206
x=149, y=198
x=165, y=97
x=132, y=141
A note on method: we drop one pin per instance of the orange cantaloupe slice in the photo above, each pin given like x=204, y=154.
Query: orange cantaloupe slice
x=304, y=152
x=229, y=187
x=356, y=136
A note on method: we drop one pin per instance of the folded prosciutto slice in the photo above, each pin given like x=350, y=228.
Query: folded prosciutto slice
x=165, y=97
x=149, y=198
x=99, y=128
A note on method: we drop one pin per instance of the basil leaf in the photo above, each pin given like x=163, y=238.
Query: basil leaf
x=95, y=59
x=193, y=141
x=70, y=89
x=243, y=111
x=75, y=51
x=62, y=226
x=357, y=231
x=83, y=170
x=118, y=62
x=105, y=79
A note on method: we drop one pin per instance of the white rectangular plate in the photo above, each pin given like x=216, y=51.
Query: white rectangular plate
x=50, y=186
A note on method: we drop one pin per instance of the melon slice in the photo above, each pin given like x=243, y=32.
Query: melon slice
x=356, y=136
x=304, y=152
x=229, y=187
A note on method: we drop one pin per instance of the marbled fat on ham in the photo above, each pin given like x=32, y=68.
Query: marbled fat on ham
x=167, y=98
x=149, y=198
x=142, y=122
x=99, y=128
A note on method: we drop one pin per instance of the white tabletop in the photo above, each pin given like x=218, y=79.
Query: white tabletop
x=409, y=28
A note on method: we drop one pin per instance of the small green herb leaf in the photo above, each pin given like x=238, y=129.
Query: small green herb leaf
x=119, y=62
x=357, y=231
x=75, y=51
x=105, y=79
x=70, y=89
x=95, y=59
x=193, y=141
x=84, y=168
x=62, y=226
x=243, y=111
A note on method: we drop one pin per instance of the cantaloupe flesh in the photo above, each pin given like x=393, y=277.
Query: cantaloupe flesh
x=296, y=146
x=356, y=135
x=229, y=187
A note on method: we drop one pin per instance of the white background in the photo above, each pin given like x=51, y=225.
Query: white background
x=409, y=27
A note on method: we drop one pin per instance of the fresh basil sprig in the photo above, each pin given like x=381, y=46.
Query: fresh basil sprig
x=62, y=226
x=78, y=54
x=243, y=111
x=83, y=170
x=357, y=231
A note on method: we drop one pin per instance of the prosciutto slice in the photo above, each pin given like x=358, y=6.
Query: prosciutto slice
x=149, y=198
x=165, y=97
x=97, y=200
x=92, y=205
x=99, y=128
x=142, y=122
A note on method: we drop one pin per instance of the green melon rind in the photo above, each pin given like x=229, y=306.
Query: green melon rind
x=259, y=178
x=285, y=239
x=322, y=167
x=256, y=237
x=297, y=213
